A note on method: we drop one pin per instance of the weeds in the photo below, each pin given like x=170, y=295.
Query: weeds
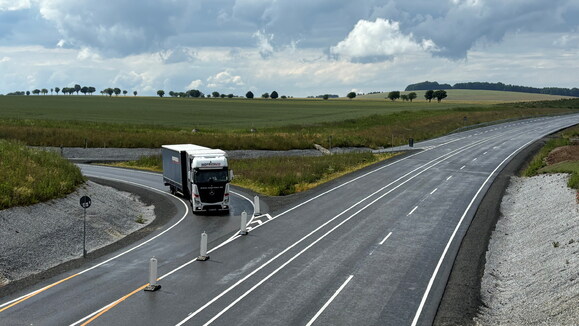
x=29, y=176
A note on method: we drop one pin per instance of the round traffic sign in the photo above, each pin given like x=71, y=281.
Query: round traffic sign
x=85, y=202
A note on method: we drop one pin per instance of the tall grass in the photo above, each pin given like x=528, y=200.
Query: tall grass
x=29, y=176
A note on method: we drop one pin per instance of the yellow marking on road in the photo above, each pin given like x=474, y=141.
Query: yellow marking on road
x=37, y=292
x=114, y=304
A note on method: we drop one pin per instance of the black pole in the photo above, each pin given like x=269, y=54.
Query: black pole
x=84, y=236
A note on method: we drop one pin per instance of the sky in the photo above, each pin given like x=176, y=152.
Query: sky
x=295, y=47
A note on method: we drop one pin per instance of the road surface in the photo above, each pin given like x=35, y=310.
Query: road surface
x=373, y=248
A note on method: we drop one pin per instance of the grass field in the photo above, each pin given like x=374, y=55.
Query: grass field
x=29, y=176
x=467, y=96
x=99, y=121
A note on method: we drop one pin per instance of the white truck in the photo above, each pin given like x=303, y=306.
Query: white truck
x=200, y=174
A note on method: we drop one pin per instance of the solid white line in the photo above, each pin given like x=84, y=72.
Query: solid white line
x=412, y=211
x=431, y=282
x=386, y=238
x=329, y=301
x=123, y=253
x=445, y=157
x=433, y=191
x=450, y=177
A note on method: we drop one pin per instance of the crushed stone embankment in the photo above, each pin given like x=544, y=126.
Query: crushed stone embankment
x=531, y=276
x=36, y=238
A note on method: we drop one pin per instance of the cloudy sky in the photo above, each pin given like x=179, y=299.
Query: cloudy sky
x=297, y=47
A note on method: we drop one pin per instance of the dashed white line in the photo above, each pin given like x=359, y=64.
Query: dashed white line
x=329, y=301
x=412, y=211
x=450, y=177
x=433, y=191
x=475, y=159
x=386, y=238
x=485, y=153
x=464, y=166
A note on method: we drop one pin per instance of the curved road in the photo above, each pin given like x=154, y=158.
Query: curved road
x=374, y=247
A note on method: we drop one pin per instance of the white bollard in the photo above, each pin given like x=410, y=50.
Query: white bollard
x=256, y=204
x=153, y=286
x=203, y=252
x=243, y=230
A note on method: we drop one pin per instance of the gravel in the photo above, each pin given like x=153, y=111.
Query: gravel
x=531, y=276
x=38, y=237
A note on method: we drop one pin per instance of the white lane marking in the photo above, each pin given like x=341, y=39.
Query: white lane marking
x=475, y=159
x=433, y=191
x=464, y=166
x=445, y=157
x=412, y=211
x=122, y=253
x=450, y=177
x=431, y=282
x=329, y=301
x=485, y=153
x=386, y=238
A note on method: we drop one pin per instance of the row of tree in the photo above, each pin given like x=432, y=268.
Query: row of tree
x=495, y=87
x=195, y=93
x=71, y=90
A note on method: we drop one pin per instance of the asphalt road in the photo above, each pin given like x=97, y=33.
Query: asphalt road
x=372, y=248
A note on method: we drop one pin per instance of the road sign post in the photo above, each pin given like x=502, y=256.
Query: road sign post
x=84, y=203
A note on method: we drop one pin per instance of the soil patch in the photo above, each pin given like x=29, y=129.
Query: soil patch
x=563, y=154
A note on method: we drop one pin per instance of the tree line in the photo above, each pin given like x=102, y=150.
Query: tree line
x=195, y=93
x=71, y=90
x=495, y=87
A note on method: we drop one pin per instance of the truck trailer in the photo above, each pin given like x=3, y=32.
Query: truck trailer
x=200, y=174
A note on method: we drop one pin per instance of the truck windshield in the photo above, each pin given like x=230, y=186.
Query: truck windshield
x=206, y=176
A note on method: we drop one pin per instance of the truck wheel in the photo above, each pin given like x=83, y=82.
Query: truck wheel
x=172, y=190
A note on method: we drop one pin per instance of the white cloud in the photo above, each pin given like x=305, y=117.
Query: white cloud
x=224, y=79
x=13, y=5
x=380, y=38
x=194, y=84
x=263, y=43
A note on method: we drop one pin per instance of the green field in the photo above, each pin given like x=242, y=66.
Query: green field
x=204, y=114
x=98, y=121
x=476, y=96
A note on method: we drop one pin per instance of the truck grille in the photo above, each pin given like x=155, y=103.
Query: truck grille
x=211, y=194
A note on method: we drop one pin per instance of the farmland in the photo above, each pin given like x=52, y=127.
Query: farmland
x=98, y=121
x=467, y=96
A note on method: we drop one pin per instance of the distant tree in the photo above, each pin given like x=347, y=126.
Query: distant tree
x=125, y=92
x=274, y=95
x=265, y=95
x=215, y=94
x=44, y=91
x=230, y=95
x=411, y=96
x=194, y=93
x=56, y=89
x=326, y=96
x=439, y=95
x=429, y=95
x=283, y=97
x=36, y=91
x=404, y=97
x=109, y=91
x=84, y=90
x=77, y=88
x=27, y=93
x=351, y=95
x=51, y=90
x=394, y=95
x=117, y=91
x=135, y=93
x=172, y=94
x=91, y=90
x=160, y=93
x=249, y=94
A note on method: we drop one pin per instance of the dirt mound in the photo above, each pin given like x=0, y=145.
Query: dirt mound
x=562, y=154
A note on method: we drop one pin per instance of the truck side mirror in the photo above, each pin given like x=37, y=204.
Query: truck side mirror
x=230, y=174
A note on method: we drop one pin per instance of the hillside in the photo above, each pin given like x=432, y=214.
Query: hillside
x=478, y=96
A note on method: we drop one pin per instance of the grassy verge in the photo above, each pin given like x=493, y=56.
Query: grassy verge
x=29, y=176
x=279, y=176
x=539, y=165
